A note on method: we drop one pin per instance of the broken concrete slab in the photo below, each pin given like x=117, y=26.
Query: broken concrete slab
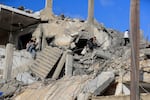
x=26, y=78
x=145, y=51
x=46, y=61
x=67, y=88
x=79, y=71
x=102, y=54
x=122, y=89
x=8, y=88
x=69, y=64
x=83, y=96
x=60, y=66
x=63, y=40
x=100, y=83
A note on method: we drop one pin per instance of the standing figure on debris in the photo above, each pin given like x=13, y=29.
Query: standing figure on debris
x=126, y=37
x=31, y=47
x=91, y=45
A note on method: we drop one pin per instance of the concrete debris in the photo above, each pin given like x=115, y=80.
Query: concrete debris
x=10, y=88
x=146, y=52
x=67, y=88
x=26, y=78
x=121, y=89
x=46, y=62
x=101, y=82
x=103, y=54
x=66, y=68
x=84, y=96
x=60, y=66
x=69, y=64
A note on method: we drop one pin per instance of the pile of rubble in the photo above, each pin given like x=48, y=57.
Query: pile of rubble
x=61, y=72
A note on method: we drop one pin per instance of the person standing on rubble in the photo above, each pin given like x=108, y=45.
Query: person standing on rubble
x=91, y=46
x=126, y=37
x=31, y=47
x=92, y=43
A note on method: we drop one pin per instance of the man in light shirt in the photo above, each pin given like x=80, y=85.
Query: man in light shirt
x=126, y=37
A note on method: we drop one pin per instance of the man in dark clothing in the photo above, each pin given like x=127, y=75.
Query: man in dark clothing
x=91, y=43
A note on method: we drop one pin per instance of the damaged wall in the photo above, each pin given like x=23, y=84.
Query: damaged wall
x=61, y=29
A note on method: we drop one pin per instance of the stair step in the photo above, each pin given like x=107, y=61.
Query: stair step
x=54, y=52
x=45, y=61
x=50, y=55
x=39, y=70
x=50, y=59
x=54, y=49
x=42, y=64
x=50, y=62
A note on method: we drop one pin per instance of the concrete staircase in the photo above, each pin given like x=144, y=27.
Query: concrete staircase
x=45, y=61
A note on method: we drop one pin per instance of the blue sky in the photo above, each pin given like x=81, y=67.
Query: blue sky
x=112, y=13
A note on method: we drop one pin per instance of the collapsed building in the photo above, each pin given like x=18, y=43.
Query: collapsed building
x=60, y=71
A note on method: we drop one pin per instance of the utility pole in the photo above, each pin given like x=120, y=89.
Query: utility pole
x=135, y=38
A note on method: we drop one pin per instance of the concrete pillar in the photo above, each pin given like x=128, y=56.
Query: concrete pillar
x=43, y=38
x=60, y=66
x=8, y=61
x=44, y=44
x=49, y=6
x=47, y=13
x=90, y=11
x=69, y=64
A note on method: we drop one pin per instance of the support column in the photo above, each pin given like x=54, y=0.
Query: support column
x=60, y=66
x=69, y=64
x=43, y=38
x=8, y=61
x=49, y=5
x=90, y=11
x=47, y=13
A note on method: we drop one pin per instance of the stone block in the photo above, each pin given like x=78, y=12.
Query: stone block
x=100, y=83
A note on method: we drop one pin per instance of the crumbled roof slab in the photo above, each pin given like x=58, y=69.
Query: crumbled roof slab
x=18, y=11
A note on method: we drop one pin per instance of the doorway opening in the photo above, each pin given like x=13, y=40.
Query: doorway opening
x=23, y=40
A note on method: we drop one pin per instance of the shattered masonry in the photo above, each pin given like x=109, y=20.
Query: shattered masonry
x=60, y=71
